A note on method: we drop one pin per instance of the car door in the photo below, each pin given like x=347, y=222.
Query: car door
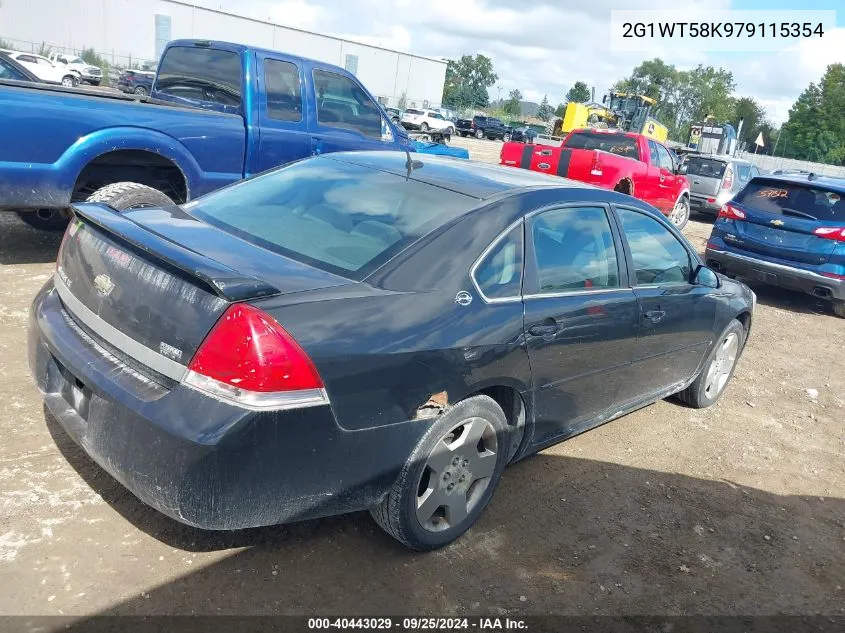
x=281, y=117
x=650, y=190
x=676, y=316
x=667, y=182
x=581, y=318
x=343, y=117
x=31, y=63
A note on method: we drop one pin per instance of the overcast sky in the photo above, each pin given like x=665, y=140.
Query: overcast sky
x=544, y=46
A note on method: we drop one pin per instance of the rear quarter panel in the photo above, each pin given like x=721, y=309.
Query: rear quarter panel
x=49, y=137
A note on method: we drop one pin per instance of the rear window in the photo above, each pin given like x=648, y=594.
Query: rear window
x=705, y=167
x=201, y=74
x=412, y=111
x=613, y=143
x=330, y=214
x=785, y=197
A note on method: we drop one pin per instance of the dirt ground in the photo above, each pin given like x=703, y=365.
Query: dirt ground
x=739, y=509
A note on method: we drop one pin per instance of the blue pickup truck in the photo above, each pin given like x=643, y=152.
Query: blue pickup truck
x=217, y=112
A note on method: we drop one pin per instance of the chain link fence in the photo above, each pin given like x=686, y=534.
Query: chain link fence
x=769, y=163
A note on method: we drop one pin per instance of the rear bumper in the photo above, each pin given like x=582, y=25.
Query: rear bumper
x=775, y=274
x=198, y=460
x=700, y=204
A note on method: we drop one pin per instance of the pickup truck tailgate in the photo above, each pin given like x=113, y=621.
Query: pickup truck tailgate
x=547, y=159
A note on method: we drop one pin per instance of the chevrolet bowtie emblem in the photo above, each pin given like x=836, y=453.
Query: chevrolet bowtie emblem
x=777, y=222
x=103, y=284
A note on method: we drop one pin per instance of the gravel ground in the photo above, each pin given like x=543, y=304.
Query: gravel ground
x=739, y=509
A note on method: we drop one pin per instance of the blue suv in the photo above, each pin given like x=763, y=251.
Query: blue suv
x=787, y=231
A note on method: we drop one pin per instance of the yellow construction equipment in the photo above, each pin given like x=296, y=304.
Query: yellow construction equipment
x=626, y=112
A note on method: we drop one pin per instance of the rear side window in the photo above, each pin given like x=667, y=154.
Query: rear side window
x=341, y=103
x=574, y=251
x=499, y=275
x=284, y=95
x=331, y=214
x=614, y=143
x=743, y=172
x=705, y=167
x=797, y=199
x=201, y=74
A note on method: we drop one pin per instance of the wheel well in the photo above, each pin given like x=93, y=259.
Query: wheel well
x=625, y=186
x=745, y=319
x=146, y=168
x=511, y=402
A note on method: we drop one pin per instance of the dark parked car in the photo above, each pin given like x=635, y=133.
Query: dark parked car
x=785, y=230
x=525, y=134
x=10, y=69
x=484, y=127
x=714, y=180
x=136, y=82
x=366, y=331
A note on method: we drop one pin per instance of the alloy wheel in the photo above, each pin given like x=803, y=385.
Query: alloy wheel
x=456, y=474
x=721, y=365
x=680, y=214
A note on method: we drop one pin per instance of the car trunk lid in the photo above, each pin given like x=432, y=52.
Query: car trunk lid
x=780, y=220
x=141, y=273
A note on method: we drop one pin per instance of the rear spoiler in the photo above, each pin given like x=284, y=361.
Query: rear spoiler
x=220, y=279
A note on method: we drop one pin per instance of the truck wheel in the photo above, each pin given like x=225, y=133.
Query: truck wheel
x=680, y=214
x=141, y=91
x=45, y=219
x=479, y=134
x=129, y=195
x=506, y=137
x=449, y=477
x=69, y=81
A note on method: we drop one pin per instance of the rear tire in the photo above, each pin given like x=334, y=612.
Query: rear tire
x=129, y=195
x=69, y=81
x=506, y=138
x=679, y=215
x=479, y=134
x=718, y=370
x=839, y=309
x=141, y=91
x=424, y=127
x=45, y=219
x=437, y=482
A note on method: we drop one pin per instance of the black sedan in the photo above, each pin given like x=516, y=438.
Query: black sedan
x=369, y=331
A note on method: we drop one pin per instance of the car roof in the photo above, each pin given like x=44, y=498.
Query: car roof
x=833, y=183
x=478, y=180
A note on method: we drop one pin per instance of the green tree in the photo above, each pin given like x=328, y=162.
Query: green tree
x=545, y=112
x=579, y=93
x=815, y=129
x=467, y=81
x=560, y=109
x=512, y=106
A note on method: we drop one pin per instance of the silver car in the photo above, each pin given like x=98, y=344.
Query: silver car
x=715, y=179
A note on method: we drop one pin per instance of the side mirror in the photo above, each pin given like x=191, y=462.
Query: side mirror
x=703, y=276
x=682, y=169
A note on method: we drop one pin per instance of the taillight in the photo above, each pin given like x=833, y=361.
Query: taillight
x=595, y=169
x=831, y=233
x=728, y=180
x=248, y=358
x=731, y=212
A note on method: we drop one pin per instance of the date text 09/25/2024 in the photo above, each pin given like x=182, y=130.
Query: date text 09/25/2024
x=418, y=624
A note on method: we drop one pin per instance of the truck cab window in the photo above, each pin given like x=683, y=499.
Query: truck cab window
x=284, y=94
x=201, y=74
x=342, y=104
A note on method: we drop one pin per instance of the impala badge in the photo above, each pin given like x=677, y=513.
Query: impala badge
x=777, y=222
x=103, y=284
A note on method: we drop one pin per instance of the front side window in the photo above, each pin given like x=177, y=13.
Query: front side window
x=499, y=275
x=666, y=161
x=659, y=257
x=341, y=103
x=7, y=71
x=574, y=250
x=201, y=74
x=653, y=155
x=284, y=95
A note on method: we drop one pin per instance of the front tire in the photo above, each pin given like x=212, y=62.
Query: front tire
x=680, y=213
x=129, y=195
x=506, y=138
x=718, y=369
x=449, y=477
x=479, y=134
x=141, y=91
x=424, y=127
x=45, y=219
x=69, y=81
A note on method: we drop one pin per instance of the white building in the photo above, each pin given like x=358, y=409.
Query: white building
x=137, y=30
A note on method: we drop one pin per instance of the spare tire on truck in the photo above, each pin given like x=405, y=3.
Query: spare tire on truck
x=129, y=195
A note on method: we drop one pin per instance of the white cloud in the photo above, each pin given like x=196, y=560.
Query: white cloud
x=544, y=46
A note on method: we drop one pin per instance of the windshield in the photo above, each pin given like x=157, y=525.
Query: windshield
x=797, y=199
x=705, y=167
x=74, y=60
x=330, y=214
x=614, y=143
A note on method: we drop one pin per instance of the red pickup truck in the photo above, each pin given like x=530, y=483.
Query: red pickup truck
x=621, y=161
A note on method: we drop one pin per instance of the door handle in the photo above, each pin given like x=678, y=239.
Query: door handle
x=655, y=315
x=544, y=329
